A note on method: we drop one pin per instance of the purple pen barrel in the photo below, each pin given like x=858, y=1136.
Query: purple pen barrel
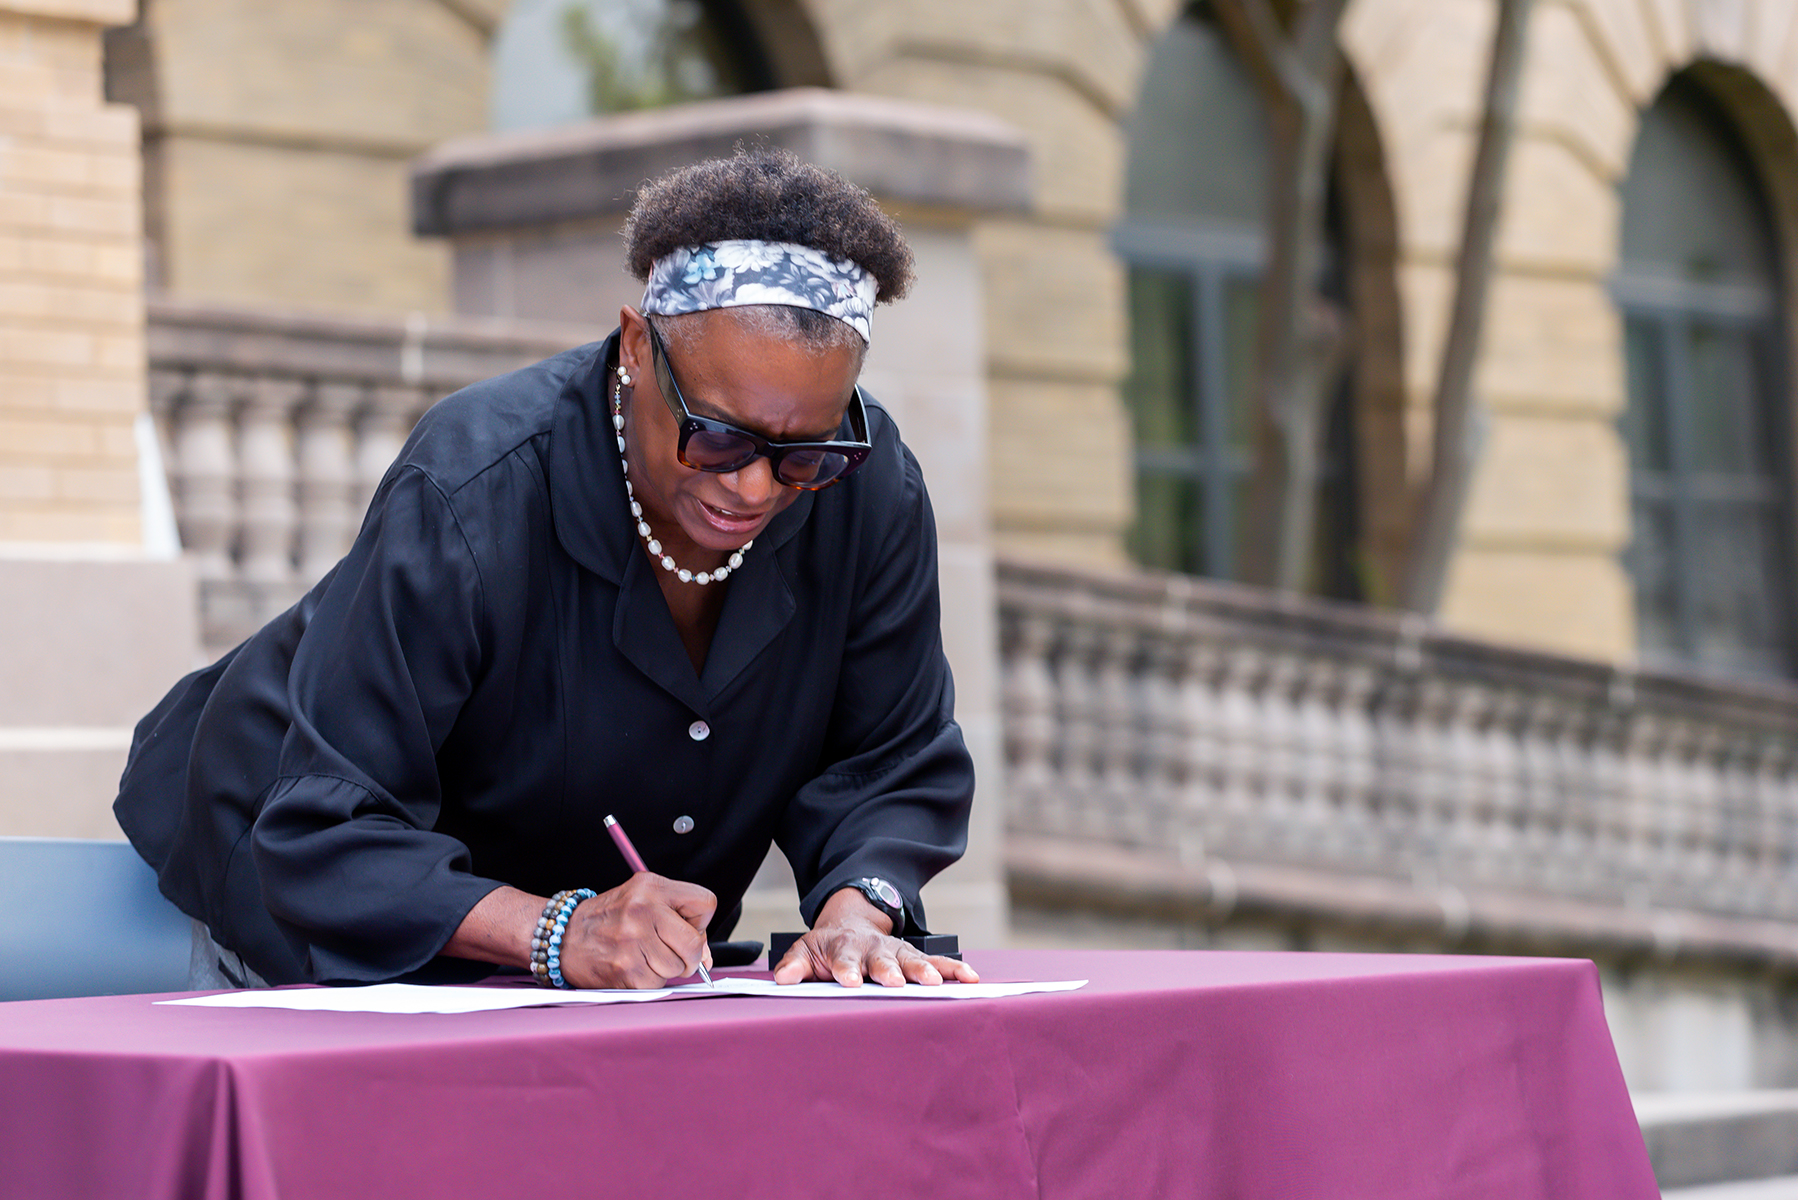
x=623, y=842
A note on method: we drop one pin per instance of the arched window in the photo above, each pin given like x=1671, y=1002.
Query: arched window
x=1193, y=236
x=564, y=60
x=1700, y=290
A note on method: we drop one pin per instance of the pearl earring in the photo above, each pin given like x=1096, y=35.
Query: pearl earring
x=624, y=379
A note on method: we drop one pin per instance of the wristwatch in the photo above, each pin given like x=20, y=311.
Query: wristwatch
x=885, y=897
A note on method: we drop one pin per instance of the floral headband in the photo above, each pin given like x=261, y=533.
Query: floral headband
x=725, y=274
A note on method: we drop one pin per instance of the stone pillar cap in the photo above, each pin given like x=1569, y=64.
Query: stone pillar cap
x=900, y=150
x=94, y=12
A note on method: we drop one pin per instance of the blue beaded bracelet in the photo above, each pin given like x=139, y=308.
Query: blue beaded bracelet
x=552, y=959
x=540, y=938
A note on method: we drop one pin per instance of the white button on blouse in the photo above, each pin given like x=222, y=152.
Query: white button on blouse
x=683, y=824
x=699, y=731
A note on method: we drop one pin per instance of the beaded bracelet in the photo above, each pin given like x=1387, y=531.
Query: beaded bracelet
x=546, y=938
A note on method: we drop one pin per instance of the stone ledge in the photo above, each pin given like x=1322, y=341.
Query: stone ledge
x=898, y=149
x=1049, y=871
x=431, y=352
x=1700, y=1139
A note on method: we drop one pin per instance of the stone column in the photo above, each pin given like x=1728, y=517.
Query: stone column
x=94, y=626
x=534, y=218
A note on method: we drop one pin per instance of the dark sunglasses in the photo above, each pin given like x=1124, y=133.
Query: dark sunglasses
x=707, y=445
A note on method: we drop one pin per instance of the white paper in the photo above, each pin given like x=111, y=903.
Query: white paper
x=413, y=998
x=874, y=991
x=418, y=998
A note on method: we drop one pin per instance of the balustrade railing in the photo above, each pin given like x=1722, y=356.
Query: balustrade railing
x=277, y=427
x=1173, y=742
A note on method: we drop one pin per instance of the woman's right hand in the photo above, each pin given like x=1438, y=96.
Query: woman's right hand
x=641, y=934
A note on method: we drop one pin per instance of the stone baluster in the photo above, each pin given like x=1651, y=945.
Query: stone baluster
x=1316, y=759
x=1355, y=777
x=1076, y=790
x=1682, y=815
x=1641, y=737
x=1200, y=750
x=1397, y=795
x=1277, y=823
x=1120, y=727
x=381, y=430
x=1671, y=816
x=327, y=478
x=1780, y=782
x=205, y=475
x=1463, y=795
x=1569, y=794
x=1588, y=833
x=168, y=391
x=1030, y=725
x=1241, y=748
x=1606, y=814
x=1535, y=769
x=1436, y=780
x=1704, y=868
x=266, y=480
x=1738, y=817
x=1162, y=780
x=1760, y=784
x=1497, y=814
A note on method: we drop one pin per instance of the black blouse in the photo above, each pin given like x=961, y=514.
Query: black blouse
x=492, y=669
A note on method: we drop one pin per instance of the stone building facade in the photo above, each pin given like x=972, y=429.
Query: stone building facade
x=72, y=355
x=92, y=621
x=277, y=141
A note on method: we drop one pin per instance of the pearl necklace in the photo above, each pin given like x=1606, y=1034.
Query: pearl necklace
x=718, y=575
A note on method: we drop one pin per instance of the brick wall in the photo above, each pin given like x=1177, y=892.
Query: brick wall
x=71, y=302
x=277, y=137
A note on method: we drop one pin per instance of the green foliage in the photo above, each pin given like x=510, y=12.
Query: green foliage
x=643, y=55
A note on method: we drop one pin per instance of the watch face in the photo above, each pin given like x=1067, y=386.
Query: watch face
x=889, y=895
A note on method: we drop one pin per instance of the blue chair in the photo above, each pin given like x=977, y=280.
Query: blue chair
x=84, y=918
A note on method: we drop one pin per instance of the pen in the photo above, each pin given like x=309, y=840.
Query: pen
x=634, y=861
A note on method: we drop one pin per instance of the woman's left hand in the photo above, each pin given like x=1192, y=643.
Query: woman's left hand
x=849, y=943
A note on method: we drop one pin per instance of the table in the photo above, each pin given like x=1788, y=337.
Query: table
x=1249, y=1076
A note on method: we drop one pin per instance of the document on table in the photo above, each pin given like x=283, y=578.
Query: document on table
x=419, y=998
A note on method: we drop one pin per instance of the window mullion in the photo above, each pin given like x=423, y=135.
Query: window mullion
x=1674, y=336
x=1214, y=454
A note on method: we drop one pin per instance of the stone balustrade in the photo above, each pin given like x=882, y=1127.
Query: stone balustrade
x=1191, y=748
x=276, y=428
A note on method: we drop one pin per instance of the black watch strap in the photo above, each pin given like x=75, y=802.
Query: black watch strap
x=885, y=897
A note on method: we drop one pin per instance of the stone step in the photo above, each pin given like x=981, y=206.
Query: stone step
x=1706, y=1145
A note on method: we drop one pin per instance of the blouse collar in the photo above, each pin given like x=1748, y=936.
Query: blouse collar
x=593, y=524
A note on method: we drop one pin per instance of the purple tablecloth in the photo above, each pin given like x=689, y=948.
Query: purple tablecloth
x=1192, y=1074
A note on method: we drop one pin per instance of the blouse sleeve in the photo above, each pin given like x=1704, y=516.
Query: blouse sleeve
x=350, y=866
x=893, y=799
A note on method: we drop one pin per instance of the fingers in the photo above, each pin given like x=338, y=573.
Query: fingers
x=807, y=960
x=918, y=968
x=933, y=969
x=953, y=970
x=695, y=904
x=848, y=959
x=686, y=944
x=851, y=959
x=640, y=934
